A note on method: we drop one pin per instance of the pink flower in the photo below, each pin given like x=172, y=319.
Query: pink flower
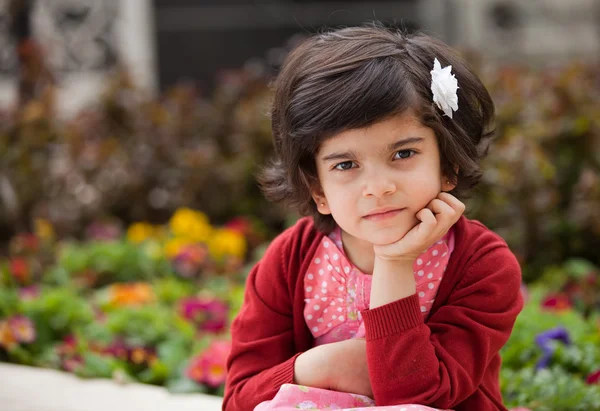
x=208, y=314
x=67, y=351
x=29, y=293
x=190, y=258
x=118, y=349
x=103, y=231
x=210, y=367
x=22, y=328
x=556, y=302
x=593, y=378
x=67, y=347
x=72, y=363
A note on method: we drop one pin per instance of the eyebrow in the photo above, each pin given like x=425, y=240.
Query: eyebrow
x=393, y=146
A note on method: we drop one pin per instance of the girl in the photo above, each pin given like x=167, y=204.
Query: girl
x=384, y=296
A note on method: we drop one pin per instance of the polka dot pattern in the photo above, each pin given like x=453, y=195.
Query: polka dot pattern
x=332, y=283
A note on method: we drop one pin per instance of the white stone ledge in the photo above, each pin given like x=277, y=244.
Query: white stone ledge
x=36, y=389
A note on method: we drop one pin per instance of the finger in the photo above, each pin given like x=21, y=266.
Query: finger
x=453, y=202
x=428, y=220
x=446, y=216
x=440, y=207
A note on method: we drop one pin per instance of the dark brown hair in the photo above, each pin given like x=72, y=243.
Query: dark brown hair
x=354, y=77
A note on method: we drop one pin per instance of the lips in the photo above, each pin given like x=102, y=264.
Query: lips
x=383, y=213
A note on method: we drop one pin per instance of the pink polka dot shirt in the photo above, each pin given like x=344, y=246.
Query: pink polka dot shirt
x=336, y=291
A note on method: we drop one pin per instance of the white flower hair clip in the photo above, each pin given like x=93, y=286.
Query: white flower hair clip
x=444, y=86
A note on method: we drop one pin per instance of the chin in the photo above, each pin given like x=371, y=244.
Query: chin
x=385, y=237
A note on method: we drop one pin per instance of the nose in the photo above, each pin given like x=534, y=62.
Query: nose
x=378, y=185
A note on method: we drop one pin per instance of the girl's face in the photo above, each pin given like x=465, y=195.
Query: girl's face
x=375, y=179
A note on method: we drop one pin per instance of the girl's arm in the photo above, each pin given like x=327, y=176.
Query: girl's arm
x=443, y=362
x=263, y=355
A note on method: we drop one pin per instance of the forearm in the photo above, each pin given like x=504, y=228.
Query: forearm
x=307, y=373
x=392, y=281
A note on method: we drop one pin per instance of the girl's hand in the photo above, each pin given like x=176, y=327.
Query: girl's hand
x=436, y=219
x=339, y=366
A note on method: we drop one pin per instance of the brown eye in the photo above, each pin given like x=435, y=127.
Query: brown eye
x=345, y=165
x=404, y=154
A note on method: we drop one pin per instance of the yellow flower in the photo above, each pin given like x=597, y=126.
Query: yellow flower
x=227, y=242
x=44, y=230
x=140, y=232
x=190, y=224
x=174, y=246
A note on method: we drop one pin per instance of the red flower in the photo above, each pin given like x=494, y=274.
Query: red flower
x=240, y=224
x=593, y=378
x=556, y=302
x=20, y=270
x=25, y=243
x=591, y=278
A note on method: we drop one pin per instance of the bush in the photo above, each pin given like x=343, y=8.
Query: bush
x=541, y=186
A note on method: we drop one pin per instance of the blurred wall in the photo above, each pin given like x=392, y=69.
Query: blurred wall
x=533, y=30
x=82, y=40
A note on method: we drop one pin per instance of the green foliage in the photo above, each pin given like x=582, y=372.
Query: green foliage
x=56, y=312
x=147, y=325
x=548, y=390
x=521, y=350
x=108, y=262
x=561, y=386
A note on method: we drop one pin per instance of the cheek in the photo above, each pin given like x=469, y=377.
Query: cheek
x=338, y=197
x=425, y=190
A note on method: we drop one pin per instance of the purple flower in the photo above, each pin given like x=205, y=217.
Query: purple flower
x=544, y=341
x=103, y=231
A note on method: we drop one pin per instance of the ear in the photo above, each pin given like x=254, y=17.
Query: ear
x=321, y=201
x=447, y=183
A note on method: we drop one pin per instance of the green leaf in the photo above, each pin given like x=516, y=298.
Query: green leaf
x=185, y=386
x=97, y=366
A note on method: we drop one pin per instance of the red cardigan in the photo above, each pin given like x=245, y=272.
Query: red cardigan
x=450, y=361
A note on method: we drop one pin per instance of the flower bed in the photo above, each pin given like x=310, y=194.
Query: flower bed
x=152, y=307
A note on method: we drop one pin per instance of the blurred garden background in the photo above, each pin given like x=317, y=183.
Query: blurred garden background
x=130, y=133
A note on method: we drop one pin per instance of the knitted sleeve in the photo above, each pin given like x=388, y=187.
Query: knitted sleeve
x=442, y=362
